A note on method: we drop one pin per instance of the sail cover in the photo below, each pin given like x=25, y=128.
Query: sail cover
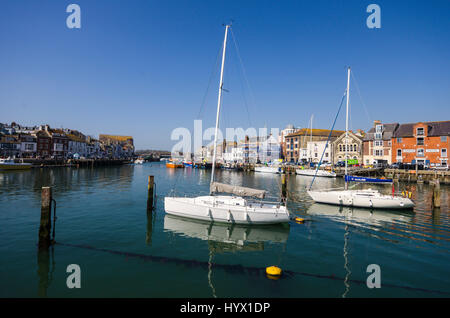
x=237, y=190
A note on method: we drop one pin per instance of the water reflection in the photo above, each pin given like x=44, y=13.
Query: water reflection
x=44, y=271
x=224, y=237
x=65, y=179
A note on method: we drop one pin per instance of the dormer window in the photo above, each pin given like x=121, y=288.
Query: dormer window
x=378, y=135
x=420, y=131
x=379, y=128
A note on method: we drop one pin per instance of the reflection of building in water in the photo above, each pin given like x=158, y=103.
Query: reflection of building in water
x=67, y=179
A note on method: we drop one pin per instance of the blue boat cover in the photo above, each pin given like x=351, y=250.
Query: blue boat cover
x=368, y=180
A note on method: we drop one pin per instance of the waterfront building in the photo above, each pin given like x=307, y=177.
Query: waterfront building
x=9, y=146
x=261, y=149
x=43, y=143
x=354, y=144
x=297, y=143
x=424, y=143
x=377, y=143
x=233, y=153
x=77, y=143
x=290, y=129
x=315, y=149
x=60, y=143
x=28, y=145
x=118, y=146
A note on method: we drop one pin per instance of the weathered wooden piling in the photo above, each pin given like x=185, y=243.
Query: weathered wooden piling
x=283, y=186
x=46, y=219
x=436, y=201
x=150, y=188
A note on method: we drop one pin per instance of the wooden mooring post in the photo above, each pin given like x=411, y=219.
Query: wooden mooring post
x=436, y=196
x=150, y=188
x=283, y=186
x=46, y=219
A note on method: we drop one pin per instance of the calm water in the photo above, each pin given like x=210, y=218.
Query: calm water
x=103, y=226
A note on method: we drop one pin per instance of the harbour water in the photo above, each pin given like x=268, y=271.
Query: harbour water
x=123, y=251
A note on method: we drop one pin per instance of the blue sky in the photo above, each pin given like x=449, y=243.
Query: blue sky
x=142, y=68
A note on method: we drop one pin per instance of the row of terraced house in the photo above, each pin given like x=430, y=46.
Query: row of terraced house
x=45, y=142
x=422, y=143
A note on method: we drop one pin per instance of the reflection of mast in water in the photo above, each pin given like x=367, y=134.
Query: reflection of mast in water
x=226, y=238
x=210, y=273
x=347, y=276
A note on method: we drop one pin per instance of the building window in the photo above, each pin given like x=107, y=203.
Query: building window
x=378, y=143
x=420, y=152
x=420, y=131
x=378, y=135
x=420, y=141
x=399, y=152
x=443, y=138
x=379, y=128
x=399, y=140
x=326, y=154
x=340, y=147
x=378, y=152
x=444, y=152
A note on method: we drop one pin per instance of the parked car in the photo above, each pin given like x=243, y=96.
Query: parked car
x=340, y=164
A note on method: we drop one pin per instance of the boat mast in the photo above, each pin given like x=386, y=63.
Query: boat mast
x=346, y=126
x=310, y=151
x=218, y=103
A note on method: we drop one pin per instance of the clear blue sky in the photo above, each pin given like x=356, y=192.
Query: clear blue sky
x=141, y=68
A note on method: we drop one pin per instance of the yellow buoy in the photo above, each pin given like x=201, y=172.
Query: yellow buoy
x=299, y=220
x=273, y=271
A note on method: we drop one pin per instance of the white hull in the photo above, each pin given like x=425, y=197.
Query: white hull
x=138, y=161
x=361, y=198
x=312, y=173
x=268, y=169
x=226, y=209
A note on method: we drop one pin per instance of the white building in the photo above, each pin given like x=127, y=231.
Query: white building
x=28, y=145
x=315, y=149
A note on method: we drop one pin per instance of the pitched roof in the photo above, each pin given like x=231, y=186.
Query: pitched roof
x=315, y=132
x=435, y=128
x=388, y=132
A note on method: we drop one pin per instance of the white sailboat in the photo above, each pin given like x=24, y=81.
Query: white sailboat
x=312, y=172
x=358, y=198
x=235, y=208
x=270, y=168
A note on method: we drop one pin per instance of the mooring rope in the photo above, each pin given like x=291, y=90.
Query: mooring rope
x=237, y=268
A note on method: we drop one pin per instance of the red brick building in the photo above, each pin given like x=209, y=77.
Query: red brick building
x=424, y=143
x=44, y=143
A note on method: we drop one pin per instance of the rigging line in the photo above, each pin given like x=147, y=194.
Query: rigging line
x=243, y=72
x=212, y=75
x=329, y=136
x=243, y=92
x=360, y=97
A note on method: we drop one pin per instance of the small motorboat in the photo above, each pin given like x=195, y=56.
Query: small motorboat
x=174, y=164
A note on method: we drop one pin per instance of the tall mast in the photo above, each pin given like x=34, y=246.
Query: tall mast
x=310, y=132
x=346, y=125
x=218, y=103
